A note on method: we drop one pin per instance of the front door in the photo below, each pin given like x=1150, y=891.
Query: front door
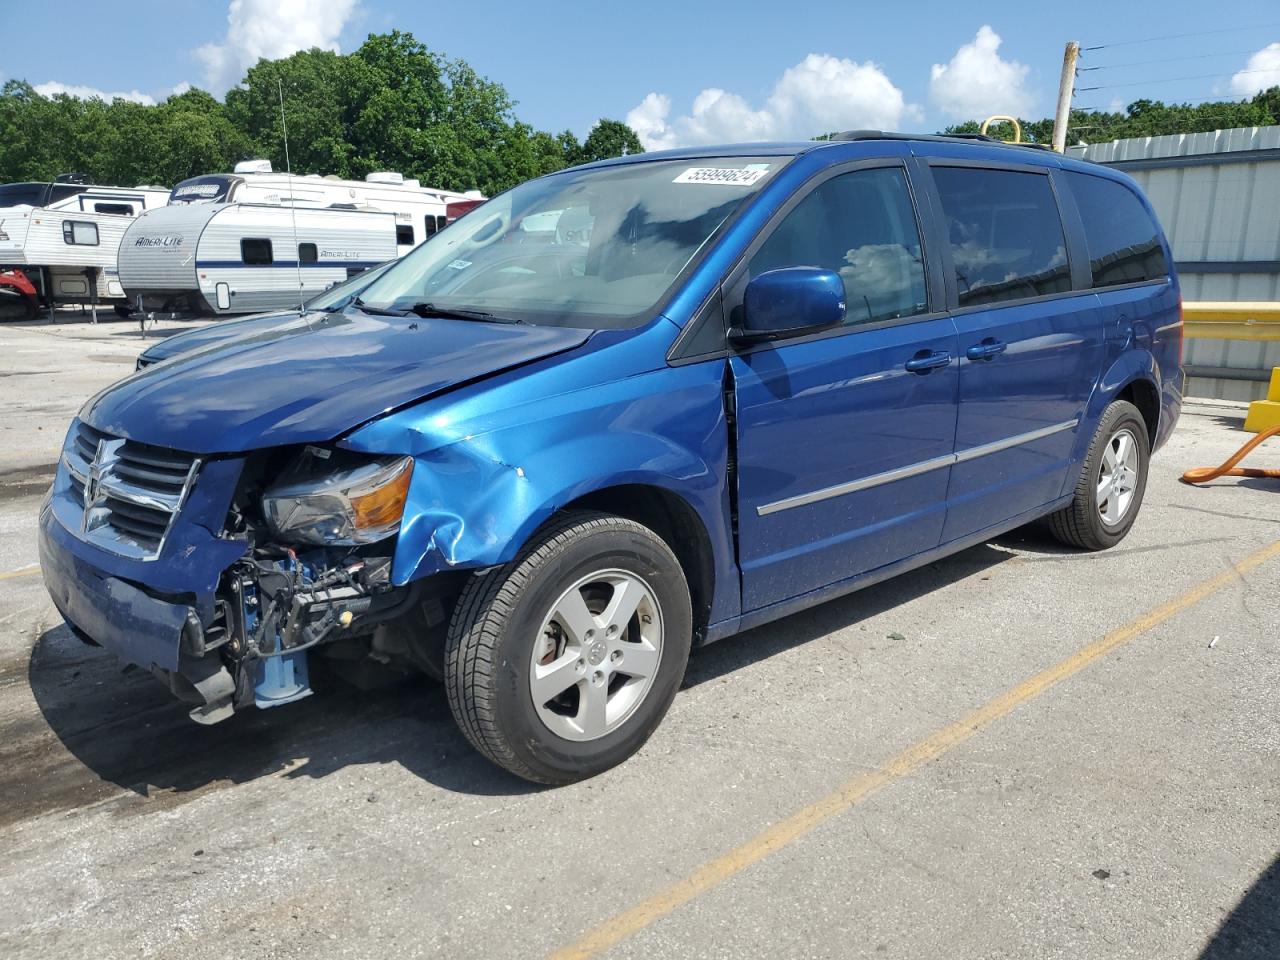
x=844, y=439
x=1031, y=348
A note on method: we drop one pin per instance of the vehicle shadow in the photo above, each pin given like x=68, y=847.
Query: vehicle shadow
x=1252, y=930
x=126, y=729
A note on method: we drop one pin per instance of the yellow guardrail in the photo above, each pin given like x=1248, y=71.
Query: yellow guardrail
x=1227, y=320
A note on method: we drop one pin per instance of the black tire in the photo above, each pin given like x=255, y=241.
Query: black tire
x=1080, y=524
x=496, y=621
x=16, y=307
x=123, y=310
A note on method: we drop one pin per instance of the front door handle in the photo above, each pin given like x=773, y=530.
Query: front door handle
x=927, y=360
x=988, y=349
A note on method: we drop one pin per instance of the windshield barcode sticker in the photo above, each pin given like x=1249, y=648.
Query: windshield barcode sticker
x=733, y=176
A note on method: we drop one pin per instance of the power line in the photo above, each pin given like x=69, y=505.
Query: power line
x=1181, y=36
x=1198, y=76
x=1143, y=63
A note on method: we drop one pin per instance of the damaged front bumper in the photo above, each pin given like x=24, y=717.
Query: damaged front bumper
x=222, y=624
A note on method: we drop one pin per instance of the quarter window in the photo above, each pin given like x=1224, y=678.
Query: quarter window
x=1007, y=241
x=80, y=232
x=862, y=226
x=307, y=253
x=256, y=251
x=1122, y=239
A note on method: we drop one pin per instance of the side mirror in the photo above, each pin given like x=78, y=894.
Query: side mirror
x=791, y=301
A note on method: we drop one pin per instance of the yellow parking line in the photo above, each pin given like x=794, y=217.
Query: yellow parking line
x=30, y=571
x=715, y=872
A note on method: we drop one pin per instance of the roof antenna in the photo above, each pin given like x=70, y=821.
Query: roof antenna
x=293, y=200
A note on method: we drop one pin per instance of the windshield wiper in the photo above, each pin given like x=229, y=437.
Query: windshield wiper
x=367, y=308
x=458, y=313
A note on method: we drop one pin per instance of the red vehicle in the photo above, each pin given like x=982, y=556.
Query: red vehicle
x=455, y=209
x=18, y=298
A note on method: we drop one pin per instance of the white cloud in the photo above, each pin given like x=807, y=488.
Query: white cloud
x=271, y=29
x=820, y=94
x=978, y=82
x=1260, y=72
x=53, y=88
x=180, y=89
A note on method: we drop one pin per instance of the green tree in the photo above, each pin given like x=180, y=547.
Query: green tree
x=609, y=138
x=1149, y=118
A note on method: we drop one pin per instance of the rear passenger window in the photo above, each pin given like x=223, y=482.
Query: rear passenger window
x=1006, y=235
x=256, y=250
x=1123, y=240
x=861, y=225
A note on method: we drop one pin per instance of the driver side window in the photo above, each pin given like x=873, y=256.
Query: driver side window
x=862, y=226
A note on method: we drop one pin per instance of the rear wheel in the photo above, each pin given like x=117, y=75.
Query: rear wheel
x=1112, y=482
x=560, y=665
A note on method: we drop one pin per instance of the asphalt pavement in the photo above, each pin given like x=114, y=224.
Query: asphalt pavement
x=1019, y=751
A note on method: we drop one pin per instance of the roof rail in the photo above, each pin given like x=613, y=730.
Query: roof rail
x=851, y=135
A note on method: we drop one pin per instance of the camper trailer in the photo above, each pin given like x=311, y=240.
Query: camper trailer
x=64, y=236
x=257, y=240
x=225, y=258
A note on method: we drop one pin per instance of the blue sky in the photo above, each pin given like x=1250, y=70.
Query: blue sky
x=685, y=72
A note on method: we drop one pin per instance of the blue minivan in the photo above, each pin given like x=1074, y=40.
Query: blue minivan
x=620, y=411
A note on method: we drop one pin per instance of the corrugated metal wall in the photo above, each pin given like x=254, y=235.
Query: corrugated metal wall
x=1218, y=196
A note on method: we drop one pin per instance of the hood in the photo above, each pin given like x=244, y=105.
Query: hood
x=309, y=380
x=215, y=332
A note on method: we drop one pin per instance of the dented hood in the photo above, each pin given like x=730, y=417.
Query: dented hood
x=310, y=380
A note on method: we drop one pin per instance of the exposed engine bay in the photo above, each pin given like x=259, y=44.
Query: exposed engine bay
x=282, y=601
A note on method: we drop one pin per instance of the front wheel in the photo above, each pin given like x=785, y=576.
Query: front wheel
x=560, y=664
x=1111, y=485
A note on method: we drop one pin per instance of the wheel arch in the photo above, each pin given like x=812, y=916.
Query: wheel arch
x=676, y=522
x=1142, y=393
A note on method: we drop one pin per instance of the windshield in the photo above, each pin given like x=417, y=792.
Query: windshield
x=17, y=194
x=596, y=248
x=337, y=296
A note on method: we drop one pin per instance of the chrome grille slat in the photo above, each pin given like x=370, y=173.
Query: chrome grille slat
x=136, y=490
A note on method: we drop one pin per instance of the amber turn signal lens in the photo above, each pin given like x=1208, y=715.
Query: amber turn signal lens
x=382, y=507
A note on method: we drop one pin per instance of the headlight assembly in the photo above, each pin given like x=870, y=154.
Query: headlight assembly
x=344, y=506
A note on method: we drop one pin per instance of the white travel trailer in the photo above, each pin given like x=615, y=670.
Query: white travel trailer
x=65, y=235
x=224, y=258
x=259, y=240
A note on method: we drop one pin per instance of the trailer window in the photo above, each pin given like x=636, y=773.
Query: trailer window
x=430, y=224
x=307, y=253
x=404, y=235
x=256, y=251
x=119, y=209
x=80, y=232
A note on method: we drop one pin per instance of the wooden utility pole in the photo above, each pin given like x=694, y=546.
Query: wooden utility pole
x=1066, y=87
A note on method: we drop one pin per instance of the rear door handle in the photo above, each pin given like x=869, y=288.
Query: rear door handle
x=927, y=360
x=988, y=349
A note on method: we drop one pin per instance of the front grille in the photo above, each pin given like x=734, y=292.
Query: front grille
x=130, y=491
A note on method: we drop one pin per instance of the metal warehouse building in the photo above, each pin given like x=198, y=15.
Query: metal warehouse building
x=1218, y=196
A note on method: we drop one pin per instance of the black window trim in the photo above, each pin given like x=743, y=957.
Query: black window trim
x=725, y=294
x=69, y=222
x=1073, y=238
x=315, y=252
